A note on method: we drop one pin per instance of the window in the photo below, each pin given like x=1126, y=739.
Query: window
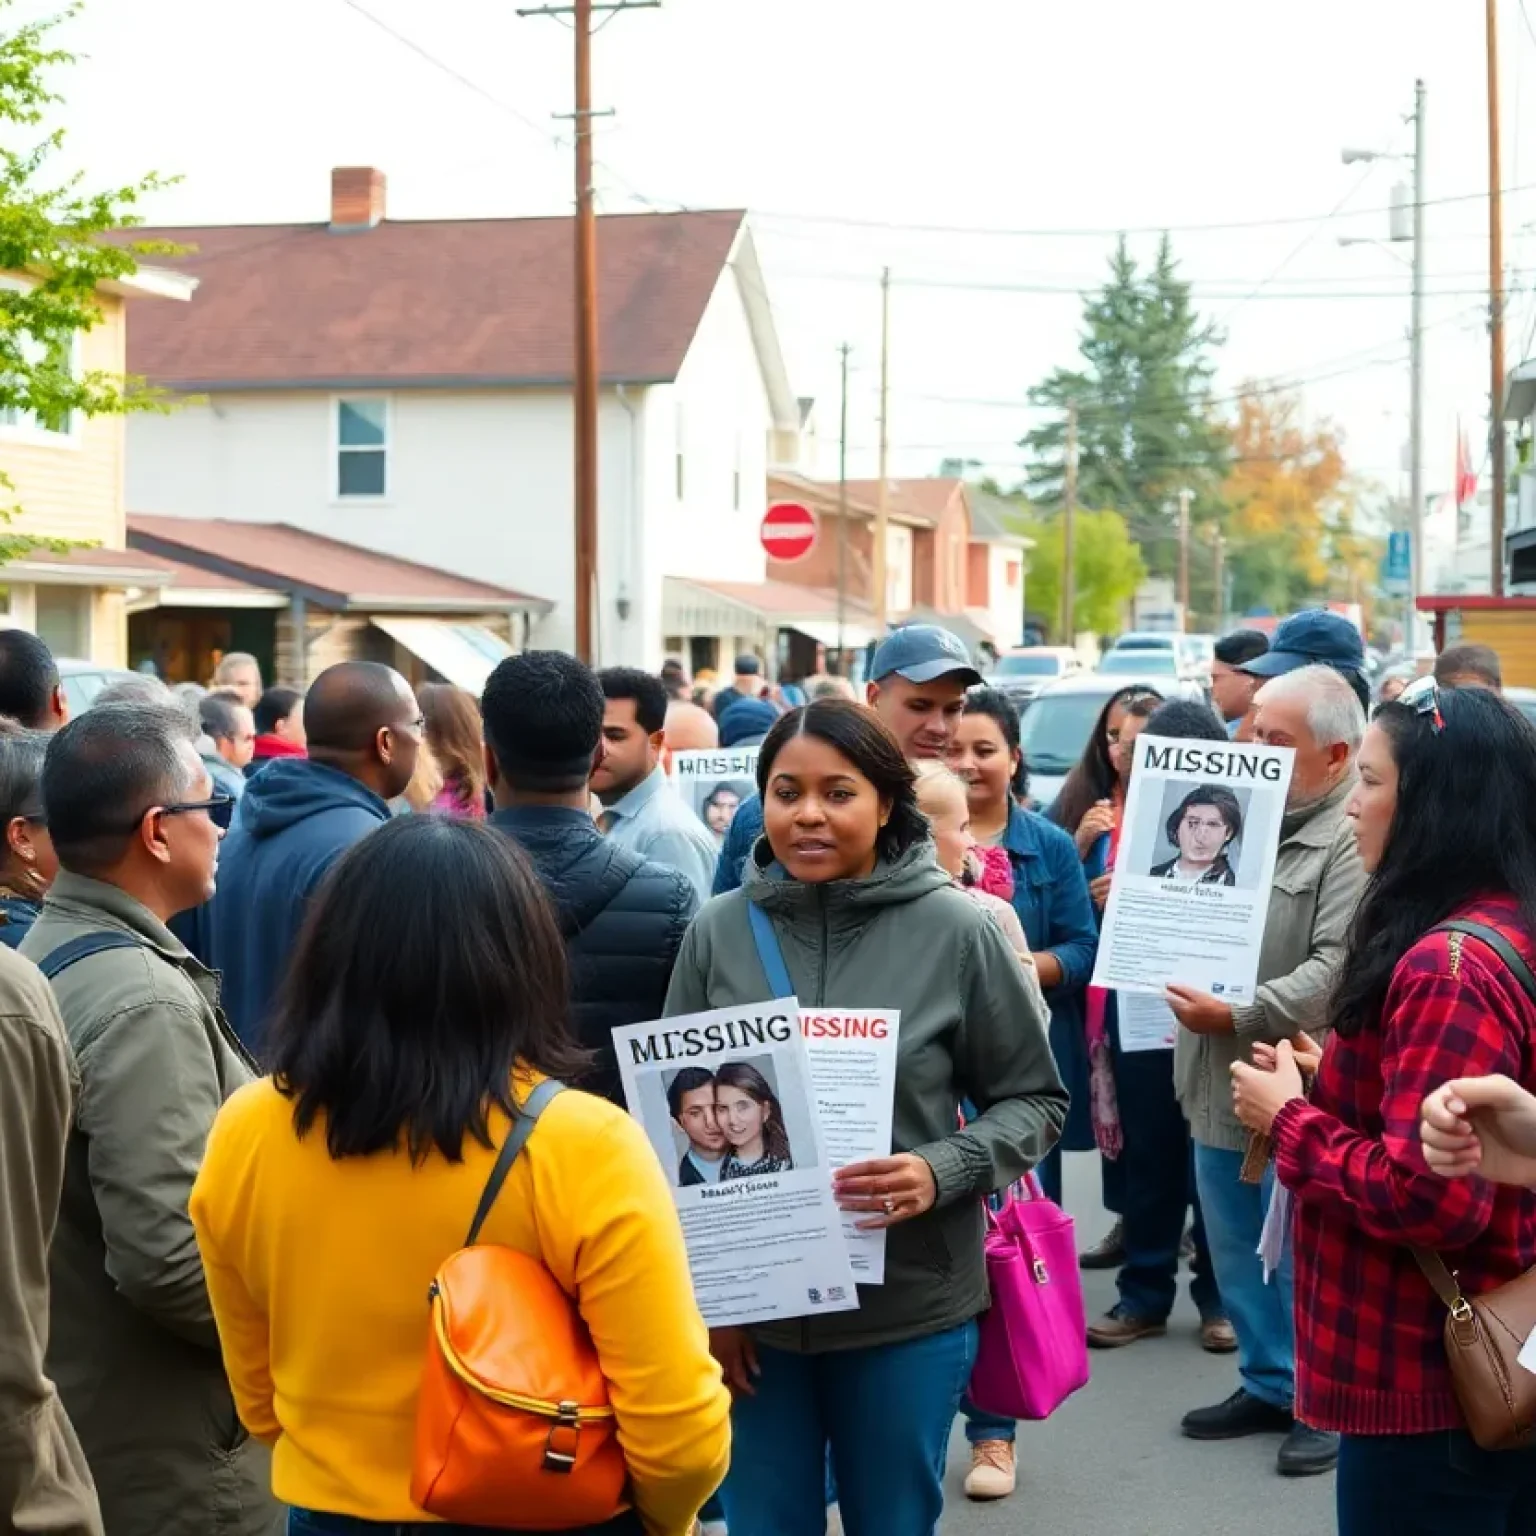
x=63, y=355
x=64, y=620
x=681, y=438
x=362, y=448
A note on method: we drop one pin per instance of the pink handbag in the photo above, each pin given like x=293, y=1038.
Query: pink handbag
x=1033, y=1353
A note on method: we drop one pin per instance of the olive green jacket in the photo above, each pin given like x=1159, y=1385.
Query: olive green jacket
x=134, y=1348
x=971, y=1028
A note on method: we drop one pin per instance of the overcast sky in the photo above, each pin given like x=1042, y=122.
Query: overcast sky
x=984, y=116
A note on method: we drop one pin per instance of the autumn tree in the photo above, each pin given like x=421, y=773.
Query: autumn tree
x=1290, y=519
x=52, y=242
x=1146, y=424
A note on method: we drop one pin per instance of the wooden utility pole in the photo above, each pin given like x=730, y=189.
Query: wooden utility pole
x=1068, y=533
x=1219, y=542
x=586, y=362
x=882, y=493
x=842, y=515
x=1184, y=555
x=1496, y=306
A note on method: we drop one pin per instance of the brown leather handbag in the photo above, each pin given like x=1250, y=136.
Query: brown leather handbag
x=1484, y=1334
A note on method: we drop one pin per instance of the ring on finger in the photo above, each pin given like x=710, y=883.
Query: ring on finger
x=888, y=1205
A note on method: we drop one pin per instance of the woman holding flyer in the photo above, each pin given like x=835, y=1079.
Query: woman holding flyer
x=1434, y=988
x=861, y=915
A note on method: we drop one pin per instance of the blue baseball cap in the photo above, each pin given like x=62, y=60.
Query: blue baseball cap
x=1312, y=638
x=923, y=653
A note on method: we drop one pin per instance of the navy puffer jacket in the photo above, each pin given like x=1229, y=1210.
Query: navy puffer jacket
x=623, y=920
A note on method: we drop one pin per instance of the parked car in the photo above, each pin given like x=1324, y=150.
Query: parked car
x=1055, y=728
x=83, y=680
x=1023, y=672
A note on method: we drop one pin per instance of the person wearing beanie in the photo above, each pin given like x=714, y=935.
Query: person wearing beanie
x=746, y=722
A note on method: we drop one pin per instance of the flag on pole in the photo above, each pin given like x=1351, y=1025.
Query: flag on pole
x=1466, y=476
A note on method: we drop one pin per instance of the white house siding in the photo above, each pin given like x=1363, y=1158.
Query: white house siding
x=480, y=482
x=1005, y=600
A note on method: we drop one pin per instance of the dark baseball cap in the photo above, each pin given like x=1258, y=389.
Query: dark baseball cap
x=1312, y=638
x=748, y=665
x=923, y=653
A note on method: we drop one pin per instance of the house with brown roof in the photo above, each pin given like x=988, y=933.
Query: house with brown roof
x=405, y=385
x=299, y=602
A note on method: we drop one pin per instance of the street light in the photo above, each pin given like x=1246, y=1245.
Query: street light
x=1404, y=229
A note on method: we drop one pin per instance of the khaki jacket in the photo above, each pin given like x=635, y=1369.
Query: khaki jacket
x=1318, y=884
x=134, y=1348
x=44, y=1484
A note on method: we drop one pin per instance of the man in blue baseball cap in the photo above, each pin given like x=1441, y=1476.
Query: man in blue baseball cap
x=1315, y=638
x=921, y=673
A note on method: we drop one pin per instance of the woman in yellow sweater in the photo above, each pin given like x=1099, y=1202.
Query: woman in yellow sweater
x=427, y=996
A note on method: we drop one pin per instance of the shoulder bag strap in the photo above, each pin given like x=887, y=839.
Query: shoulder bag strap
x=82, y=948
x=522, y=1128
x=769, y=954
x=1433, y=1266
x=1501, y=946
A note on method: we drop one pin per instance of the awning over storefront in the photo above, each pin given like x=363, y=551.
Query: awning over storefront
x=825, y=632
x=465, y=654
x=692, y=606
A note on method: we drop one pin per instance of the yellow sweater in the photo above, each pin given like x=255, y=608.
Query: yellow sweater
x=318, y=1271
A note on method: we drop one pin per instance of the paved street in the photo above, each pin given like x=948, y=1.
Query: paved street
x=1112, y=1462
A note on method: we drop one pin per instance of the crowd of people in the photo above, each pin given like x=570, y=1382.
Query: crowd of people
x=286, y=970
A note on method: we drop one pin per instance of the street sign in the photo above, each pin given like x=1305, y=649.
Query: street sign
x=789, y=531
x=1397, y=568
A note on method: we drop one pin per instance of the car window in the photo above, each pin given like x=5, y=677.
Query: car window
x=81, y=688
x=1029, y=666
x=1055, y=729
x=1138, y=663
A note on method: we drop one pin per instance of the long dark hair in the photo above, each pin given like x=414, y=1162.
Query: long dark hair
x=861, y=736
x=998, y=707
x=1464, y=827
x=1093, y=779
x=430, y=966
x=748, y=1080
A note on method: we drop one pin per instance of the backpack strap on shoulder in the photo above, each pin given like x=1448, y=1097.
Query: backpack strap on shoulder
x=72, y=951
x=1513, y=960
x=522, y=1128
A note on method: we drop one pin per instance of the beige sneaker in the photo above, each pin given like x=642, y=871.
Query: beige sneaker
x=992, y=1473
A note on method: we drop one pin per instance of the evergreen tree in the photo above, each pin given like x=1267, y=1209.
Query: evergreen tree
x=1143, y=394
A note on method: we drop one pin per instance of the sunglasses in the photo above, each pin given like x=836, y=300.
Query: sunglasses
x=220, y=809
x=1422, y=696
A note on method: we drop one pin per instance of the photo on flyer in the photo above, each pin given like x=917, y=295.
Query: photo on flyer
x=714, y=783
x=727, y=1102
x=1189, y=897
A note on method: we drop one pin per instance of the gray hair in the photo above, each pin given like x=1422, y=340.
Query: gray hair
x=230, y=662
x=141, y=691
x=1333, y=711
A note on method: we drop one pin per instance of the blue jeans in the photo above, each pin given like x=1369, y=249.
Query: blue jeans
x=1158, y=1187
x=886, y=1413
x=1430, y=1485
x=309, y=1522
x=1261, y=1314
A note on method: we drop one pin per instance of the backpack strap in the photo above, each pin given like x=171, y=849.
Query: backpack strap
x=72, y=951
x=522, y=1128
x=769, y=955
x=1512, y=958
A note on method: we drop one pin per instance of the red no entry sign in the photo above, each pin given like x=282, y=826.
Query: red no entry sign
x=789, y=531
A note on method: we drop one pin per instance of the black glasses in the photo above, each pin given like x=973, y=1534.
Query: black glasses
x=220, y=808
x=1422, y=696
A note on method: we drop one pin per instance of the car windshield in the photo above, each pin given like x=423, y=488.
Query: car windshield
x=1140, y=663
x=1028, y=666
x=1055, y=729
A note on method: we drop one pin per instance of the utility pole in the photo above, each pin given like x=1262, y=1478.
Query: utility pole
x=842, y=515
x=1219, y=541
x=1184, y=497
x=1416, y=379
x=1496, y=303
x=882, y=493
x=1069, y=533
x=586, y=369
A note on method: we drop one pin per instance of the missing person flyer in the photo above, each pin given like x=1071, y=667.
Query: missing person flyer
x=713, y=784
x=726, y=1100
x=853, y=1075
x=1190, y=893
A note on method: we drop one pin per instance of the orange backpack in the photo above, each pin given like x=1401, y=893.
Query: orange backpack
x=513, y=1426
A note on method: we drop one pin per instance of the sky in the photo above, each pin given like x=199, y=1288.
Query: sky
x=953, y=143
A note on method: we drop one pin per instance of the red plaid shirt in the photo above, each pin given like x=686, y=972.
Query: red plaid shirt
x=1370, y=1359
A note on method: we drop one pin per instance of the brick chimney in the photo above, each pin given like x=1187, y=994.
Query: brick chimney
x=357, y=197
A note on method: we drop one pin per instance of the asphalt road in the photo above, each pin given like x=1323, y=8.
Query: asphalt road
x=1112, y=1460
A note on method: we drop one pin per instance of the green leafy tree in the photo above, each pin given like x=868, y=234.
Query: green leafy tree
x=54, y=239
x=1146, y=428
x=1107, y=563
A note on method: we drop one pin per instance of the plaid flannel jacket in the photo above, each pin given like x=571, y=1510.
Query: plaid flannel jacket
x=1370, y=1359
